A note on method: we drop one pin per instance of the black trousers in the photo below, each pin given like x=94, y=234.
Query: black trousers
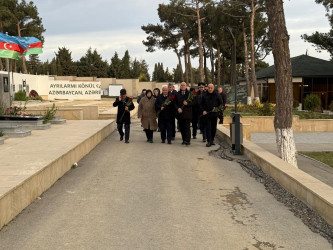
x=203, y=127
x=149, y=134
x=210, y=124
x=220, y=115
x=185, y=129
x=127, y=130
x=166, y=129
x=195, y=120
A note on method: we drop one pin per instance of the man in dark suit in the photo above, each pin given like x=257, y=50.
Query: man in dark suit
x=125, y=105
x=172, y=91
x=210, y=100
x=184, y=109
x=224, y=102
x=165, y=109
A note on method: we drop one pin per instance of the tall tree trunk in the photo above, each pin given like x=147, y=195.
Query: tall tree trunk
x=283, y=81
x=180, y=63
x=205, y=64
x=246, y=62
x=223, y=71
x=253, y=59
x=201, y=68
x=212, y=65
x=218, y=83
x=186, y=61
x=190, y=65
x=25, y=70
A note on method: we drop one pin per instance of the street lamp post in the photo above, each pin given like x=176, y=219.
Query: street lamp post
x=235, y=126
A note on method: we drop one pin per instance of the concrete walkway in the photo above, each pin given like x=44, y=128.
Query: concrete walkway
x=157, y=196
x=308, y=142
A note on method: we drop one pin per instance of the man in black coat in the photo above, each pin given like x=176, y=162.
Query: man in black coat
x=210, y=100
x=197, y=102
x=184, y=109
x=172, y=91
x=224, y=102
x=125, y=105
x=165, y=110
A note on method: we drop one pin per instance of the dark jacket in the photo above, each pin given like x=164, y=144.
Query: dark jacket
x=121, y=109
x=196, y=106
x=224, y=98
x=210, y=101
x=140, y=97
x=178, y=103
x=174, y=111
x=167, y=112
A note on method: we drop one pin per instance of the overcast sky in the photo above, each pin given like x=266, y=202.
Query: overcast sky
x=114, y=25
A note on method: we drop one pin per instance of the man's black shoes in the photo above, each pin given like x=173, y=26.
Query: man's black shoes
x=121, y=138
x=208, y=145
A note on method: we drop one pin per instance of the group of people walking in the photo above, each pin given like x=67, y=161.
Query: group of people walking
x=163, y=110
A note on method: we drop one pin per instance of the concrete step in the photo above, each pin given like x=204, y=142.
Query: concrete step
x=1, y=141
x=58, y=121
x=10, y=129
x=18, y=134
x=107, y=116
x=37, y=127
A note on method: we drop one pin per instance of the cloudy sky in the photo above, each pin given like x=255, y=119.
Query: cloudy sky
x=113, y=25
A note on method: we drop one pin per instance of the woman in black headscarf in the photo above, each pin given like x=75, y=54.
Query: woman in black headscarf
x=147, y=114
x=156, y=92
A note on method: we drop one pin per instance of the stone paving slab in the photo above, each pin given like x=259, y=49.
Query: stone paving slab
x=29, y=166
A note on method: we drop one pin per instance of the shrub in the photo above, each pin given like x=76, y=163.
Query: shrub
x=1, y=134
x=312, y=102
x=331, y=107
x=295, y=104
x=266, y=110
x=49, y=114
x=21, y=95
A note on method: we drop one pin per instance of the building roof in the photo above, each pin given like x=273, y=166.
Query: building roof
x=302, y=66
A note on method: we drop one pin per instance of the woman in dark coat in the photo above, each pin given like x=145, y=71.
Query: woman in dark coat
x=147, y=115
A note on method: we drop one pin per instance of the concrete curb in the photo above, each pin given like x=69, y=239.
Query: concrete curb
x=308, y=189
x=21, y=196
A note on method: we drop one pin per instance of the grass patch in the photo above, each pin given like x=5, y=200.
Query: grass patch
x=302, y=114
x=311, y=115
x=325, y=157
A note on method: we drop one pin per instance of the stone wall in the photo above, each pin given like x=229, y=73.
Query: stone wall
x=4, y=96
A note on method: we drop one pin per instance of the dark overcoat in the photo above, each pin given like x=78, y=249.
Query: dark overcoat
x=178, y=103
x=121, y=110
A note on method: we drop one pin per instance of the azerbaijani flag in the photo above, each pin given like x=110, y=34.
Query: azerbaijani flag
x=34, y=45
x=10, y=47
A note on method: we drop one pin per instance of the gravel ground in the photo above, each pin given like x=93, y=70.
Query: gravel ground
x=309, y=217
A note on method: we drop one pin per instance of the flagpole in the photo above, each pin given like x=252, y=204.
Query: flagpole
x=9, y=85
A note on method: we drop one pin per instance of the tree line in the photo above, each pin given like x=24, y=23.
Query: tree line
x=91, y=64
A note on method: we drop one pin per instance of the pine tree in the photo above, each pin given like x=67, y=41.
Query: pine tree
x=65, y=63
x=115, y=66
x=125, y=66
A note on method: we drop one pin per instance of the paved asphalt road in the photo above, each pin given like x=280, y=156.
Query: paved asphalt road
x=157, y=196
